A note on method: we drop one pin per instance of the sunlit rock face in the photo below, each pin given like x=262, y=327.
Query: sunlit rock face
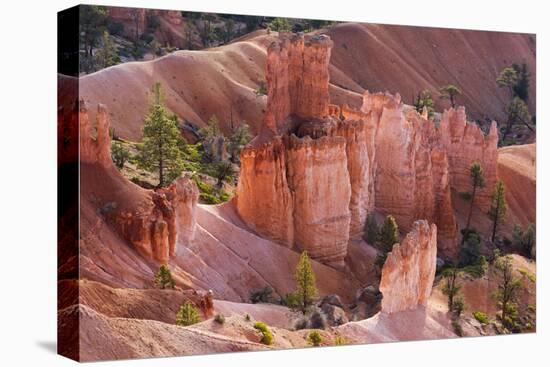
x=314, y=173
x=409, y=271
x=465, y=143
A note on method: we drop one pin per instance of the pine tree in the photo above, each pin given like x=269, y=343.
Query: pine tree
x=161, y=141
x=163, y=278
x=119, y=154
x=478, y=180
x=389, y=234
x=507, y=292
x=372, y=232
x=425, y=100
x=305, y=283
x=451, y=288
x=450, y=92
x=187, y=315
x=508, y=78
x=499, y=207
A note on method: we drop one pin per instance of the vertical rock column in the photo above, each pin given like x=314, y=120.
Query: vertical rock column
x=409, y=271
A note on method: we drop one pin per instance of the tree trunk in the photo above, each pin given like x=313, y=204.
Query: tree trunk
x=495, y=222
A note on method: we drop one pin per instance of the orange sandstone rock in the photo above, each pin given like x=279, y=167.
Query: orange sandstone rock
x=409, y=271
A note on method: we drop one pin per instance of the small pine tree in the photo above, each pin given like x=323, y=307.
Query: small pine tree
x=238, y=140
x=187, y=315
x=160, y=149
x=389, y=234
x=163, y=278
x=507, y=291
x=119, y=154
x=499, y=207
x=372, y=232
x=450, y=92
x=521, y=88
x=107, y=55
x=508, y=78
x=222, y=171
x=425, y=100
x=478, y=180
x=305, y=283
x=451, y=287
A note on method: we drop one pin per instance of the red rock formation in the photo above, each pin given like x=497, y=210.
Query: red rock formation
x=465, y=143
x=318, y=180
x=297, y=78
x=95, y=149
x=152, y=226
x=263, y=198
x=133, y=19
x=183, y=195
x=409, y=271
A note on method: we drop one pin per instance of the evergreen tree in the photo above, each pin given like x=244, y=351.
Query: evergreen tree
x=450, y=92
x=389, y=234
x=119, y=154
x=160, y=148
x=163, y=278
x=521, y=88
x=508, y=78
x=517, y=112
x=425, y=100
x=187, y=315
x=107, y=55
x=478, y=180
x=507, y=292
x=470, y=248
x=238, y=140
x=372, y=232
x=499, y=207
x=451, y=287
x=305, y=283
x=222, y=171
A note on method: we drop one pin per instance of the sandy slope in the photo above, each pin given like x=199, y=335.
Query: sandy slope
x=221, y=81
x=517, y=169
x=408, y=59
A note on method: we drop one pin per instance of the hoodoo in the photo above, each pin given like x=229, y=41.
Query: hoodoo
x=409, y=271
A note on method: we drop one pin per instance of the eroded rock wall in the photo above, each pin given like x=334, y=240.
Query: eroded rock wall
x=318, y=179
x=465, y=143
x=409, y=271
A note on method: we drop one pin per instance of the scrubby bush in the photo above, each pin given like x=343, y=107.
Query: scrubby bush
x=314, y=338
x=267, y=335
x=247, y=317
x=291, y=300
x=187, y=315
x=481, y=317
x=340, y=340
x=389, y=233
x=261, y=295
x=372, y=231
x=219, y=318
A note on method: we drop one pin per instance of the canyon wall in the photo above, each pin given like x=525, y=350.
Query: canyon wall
x=465, y=143
x=409, y=271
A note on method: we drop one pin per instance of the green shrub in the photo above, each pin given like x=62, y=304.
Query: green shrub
x=163, y=278
x=340, y=340
x=466, y=195
x=261, y=295
x=481, y=317
x=247, y=317
x=291, y=300
x=219, y=318
x=267, y=335
x=187, y=315
x=314, y=338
